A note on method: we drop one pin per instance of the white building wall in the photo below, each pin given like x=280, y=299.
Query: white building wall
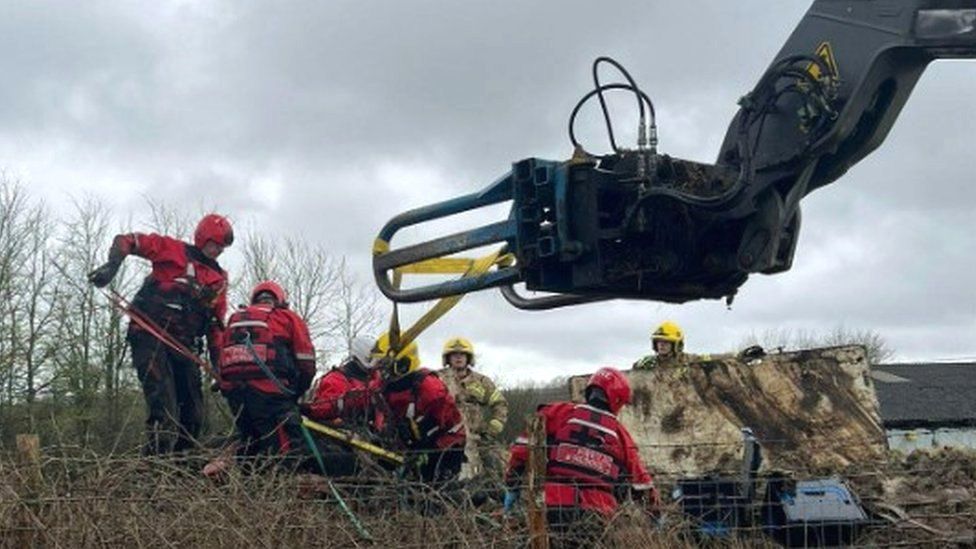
x=906, y=441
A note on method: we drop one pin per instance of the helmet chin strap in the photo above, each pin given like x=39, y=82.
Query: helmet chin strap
x=596, y=397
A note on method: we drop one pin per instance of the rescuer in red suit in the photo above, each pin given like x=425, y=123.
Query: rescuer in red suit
x=185, y=294
x=344, y=395
x=591, y=459
x=422, y=412
x=267, y=361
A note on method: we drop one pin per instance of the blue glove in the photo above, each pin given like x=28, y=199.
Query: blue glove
x=511, y=500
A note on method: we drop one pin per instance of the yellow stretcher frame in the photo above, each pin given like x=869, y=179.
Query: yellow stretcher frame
x=350, y=439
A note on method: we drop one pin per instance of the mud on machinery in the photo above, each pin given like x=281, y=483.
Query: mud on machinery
x=639, y=224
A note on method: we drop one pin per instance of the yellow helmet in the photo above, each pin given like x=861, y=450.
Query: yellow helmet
x=406, y=360
x=458, y=345
x=669, y=331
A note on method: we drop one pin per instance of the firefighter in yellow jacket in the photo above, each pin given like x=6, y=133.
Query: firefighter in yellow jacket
x=482, y=406
x=668, y=343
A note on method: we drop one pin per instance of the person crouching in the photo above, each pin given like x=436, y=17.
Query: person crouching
x=591, y=462
x=267, y=361
x=421, y=411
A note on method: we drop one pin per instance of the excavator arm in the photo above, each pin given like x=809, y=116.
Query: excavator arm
x=639, y=224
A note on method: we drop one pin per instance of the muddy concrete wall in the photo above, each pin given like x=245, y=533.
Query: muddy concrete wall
x=812, y=410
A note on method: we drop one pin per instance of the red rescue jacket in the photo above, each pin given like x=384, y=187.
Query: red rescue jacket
x=279, y=337
x=344, y=393
x=186, y=292
x=423, y=411
x=590, y=456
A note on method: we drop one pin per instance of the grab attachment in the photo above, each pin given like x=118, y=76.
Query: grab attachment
x=430, y=256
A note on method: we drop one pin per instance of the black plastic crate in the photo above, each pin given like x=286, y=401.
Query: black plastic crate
x=716, y=505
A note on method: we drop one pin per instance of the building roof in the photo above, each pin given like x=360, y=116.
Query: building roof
x=926, y=394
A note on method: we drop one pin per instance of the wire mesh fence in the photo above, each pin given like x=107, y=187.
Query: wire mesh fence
x=69, y=497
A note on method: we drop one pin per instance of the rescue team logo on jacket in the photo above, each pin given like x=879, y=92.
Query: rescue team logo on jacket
x=586, y=458
x=250, y=340
x=239, y=354
x=587, y=444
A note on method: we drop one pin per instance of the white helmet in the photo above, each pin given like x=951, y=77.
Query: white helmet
x=360, y=349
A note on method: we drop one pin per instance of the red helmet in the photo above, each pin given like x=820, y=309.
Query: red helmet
x=272, y=288
x=614, y=384
x=213, y=227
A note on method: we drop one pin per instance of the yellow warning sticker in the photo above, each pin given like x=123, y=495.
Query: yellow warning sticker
x=826, y=53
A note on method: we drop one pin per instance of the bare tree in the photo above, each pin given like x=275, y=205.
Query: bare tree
x=305, y=270
x=877, y=348
x=355, y=311
x=165, y=218
x=336, y=306
x=39, y=291
x=25, y=287
x=91, y=355
x=60, y=340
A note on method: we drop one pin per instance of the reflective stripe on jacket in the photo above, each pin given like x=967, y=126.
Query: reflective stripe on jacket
x=482, y=404
x=185, y=292
x=279, y=337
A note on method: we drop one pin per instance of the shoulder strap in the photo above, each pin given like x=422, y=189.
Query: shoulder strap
x=195, y=254
x=418, y=377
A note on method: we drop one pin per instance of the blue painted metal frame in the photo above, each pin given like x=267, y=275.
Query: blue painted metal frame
x=505, y=231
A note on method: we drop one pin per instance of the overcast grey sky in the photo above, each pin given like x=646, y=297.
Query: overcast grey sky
x=327, y=118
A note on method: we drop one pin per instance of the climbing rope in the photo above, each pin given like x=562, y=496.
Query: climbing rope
x=335, y=492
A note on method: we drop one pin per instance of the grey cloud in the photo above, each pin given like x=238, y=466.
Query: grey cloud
x=72, y=64
x=328, y=79
x=297, y=116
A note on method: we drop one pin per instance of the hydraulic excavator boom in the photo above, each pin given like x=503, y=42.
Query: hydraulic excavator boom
x=638, y=224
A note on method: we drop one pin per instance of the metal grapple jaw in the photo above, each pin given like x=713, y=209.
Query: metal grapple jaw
x=584, y=230
x=389, y=264
x=503, y=268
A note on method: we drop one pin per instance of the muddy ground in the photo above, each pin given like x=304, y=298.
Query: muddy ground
x=925, y=497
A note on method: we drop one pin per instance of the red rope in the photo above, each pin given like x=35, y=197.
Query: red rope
x=147, y=324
